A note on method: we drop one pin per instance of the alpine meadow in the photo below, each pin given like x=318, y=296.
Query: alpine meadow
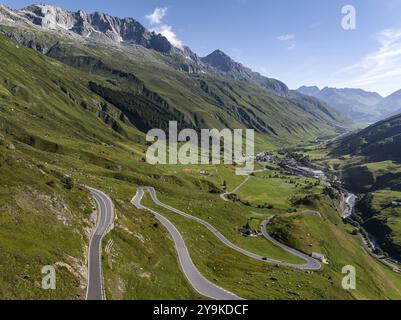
x=133, y=168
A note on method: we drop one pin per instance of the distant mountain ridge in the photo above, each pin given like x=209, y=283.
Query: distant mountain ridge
x=359, y=105
x=392, y=104
x=310, y=91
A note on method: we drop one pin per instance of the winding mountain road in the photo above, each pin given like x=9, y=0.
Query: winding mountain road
x=195, y=278
x=312, y=264
x=105, y=220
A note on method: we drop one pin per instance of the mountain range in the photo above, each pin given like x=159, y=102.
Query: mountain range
x=102, y=27
x=213, y=91
x=360, y=105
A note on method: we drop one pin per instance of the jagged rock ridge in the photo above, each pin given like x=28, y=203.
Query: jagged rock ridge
x=95, y=25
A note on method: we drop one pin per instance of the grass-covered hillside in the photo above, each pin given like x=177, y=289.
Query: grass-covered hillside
x=379, y=142
x=65, y=125
x=330, y=236
x=56, y=135
x=251, y=279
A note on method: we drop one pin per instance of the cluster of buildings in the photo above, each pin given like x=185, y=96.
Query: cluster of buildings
x=267, y=157
x=291, y=166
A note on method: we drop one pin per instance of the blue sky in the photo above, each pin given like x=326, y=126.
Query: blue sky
x=299, y=42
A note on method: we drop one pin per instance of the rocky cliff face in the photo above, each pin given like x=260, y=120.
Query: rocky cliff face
x=96, y=25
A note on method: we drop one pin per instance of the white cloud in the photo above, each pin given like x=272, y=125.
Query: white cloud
x=167, y=31
x=156, y=19
x=380, y=70
x=157, y=16
x=291, y=46
x=264, y=71
x=286, y=37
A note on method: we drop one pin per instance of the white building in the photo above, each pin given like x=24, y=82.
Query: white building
x=319, y=256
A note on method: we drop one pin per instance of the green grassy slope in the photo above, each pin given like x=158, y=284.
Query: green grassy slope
x=329, y=236
x=42, y=223
x=255, y=280
x=51, y=143
x=371, y=166
x=378, y=142
x=57, y=134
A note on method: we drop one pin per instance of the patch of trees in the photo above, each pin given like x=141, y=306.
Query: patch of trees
x=265, y=206
x=304, y=200
x=144, y=110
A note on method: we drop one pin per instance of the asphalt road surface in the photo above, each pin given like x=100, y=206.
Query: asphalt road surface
x=105, y=220
x=195, y=278
x=312, y=264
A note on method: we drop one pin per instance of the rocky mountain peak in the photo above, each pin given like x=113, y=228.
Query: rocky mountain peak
x=221, y=54
x=97, y=25
x=310, y=91
x=48, y=16
x=225, y=64
x=219, y=60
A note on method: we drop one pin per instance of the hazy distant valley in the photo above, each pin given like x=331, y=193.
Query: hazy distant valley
x=361, y=106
